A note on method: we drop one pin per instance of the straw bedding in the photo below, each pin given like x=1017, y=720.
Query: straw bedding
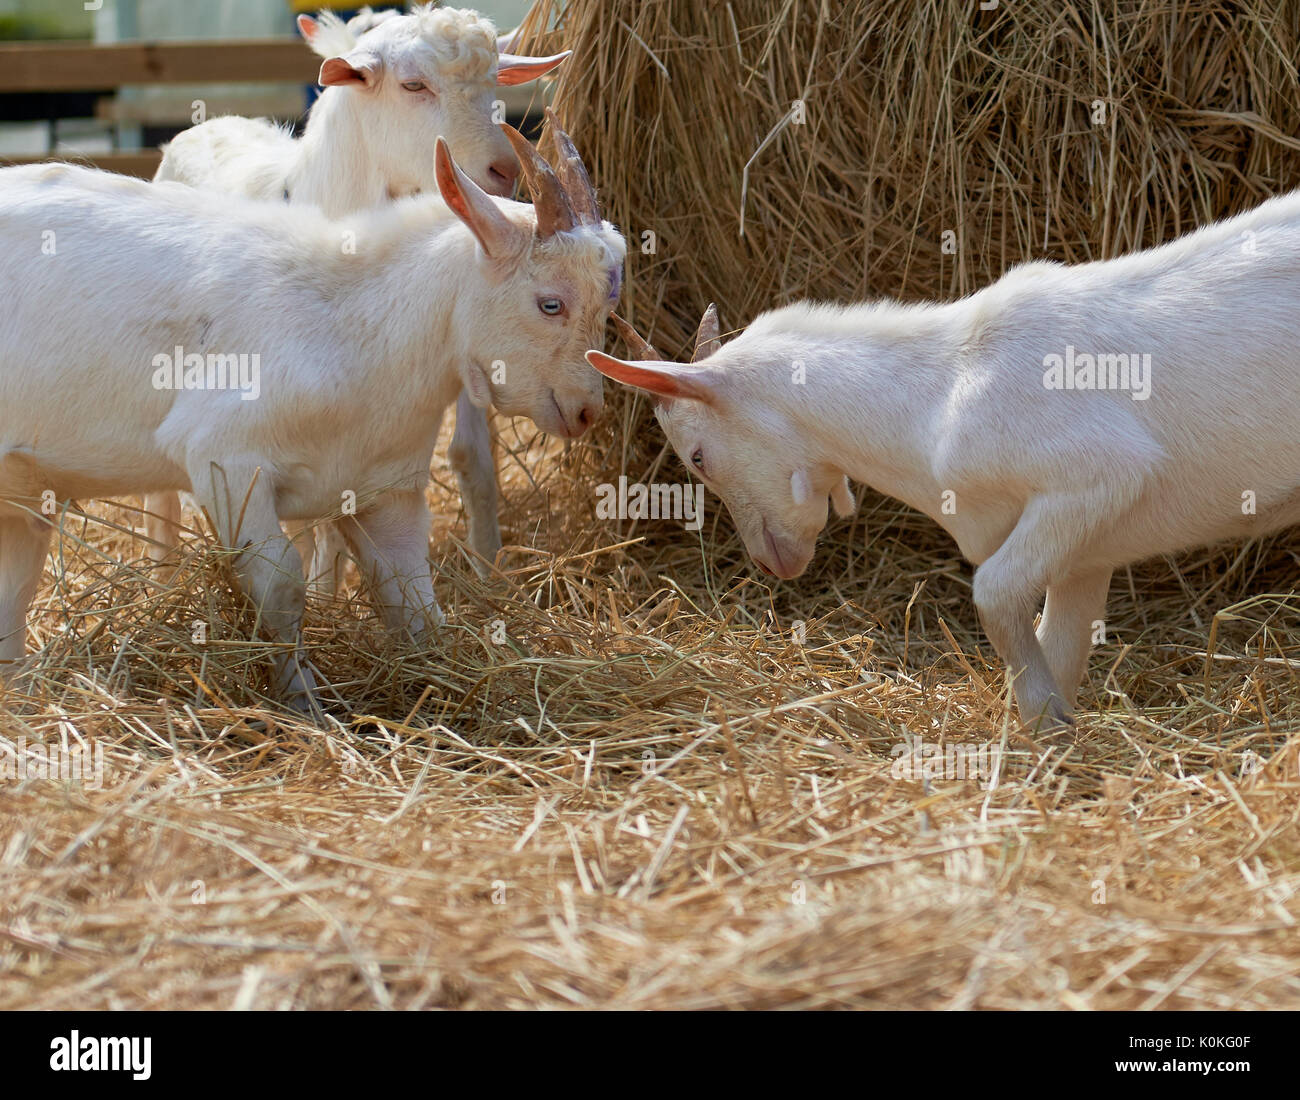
x=621, y=777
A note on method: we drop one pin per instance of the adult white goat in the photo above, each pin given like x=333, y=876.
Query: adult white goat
x=1059, y=424
x=126, y=303
x=393, y=83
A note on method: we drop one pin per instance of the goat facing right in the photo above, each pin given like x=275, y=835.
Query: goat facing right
x=1059, y=424
x=365, y=331
x=393, y=83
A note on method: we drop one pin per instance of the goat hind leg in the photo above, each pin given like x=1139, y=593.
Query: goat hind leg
x=329, y=561
x=162, y=523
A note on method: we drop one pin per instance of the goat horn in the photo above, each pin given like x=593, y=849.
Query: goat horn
x=573, y=174
x=709, y=337
x=554, y=211
x=634, y=340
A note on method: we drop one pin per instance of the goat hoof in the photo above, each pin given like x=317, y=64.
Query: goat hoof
x=1053, y=728
x=308, y=707
x=485, y=554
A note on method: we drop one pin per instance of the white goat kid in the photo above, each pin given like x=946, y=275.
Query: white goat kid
x=360, y=354
x=389, y=93
x=1061, y=423
x=393, y=83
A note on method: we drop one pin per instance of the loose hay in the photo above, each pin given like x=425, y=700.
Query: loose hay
x=650, y=794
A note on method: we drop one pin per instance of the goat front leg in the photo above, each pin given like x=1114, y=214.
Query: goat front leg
x=1008, y=590
x=1065, y=631
x=24, y=542
x=390, y=539
x=471, y=458
x=241, y=501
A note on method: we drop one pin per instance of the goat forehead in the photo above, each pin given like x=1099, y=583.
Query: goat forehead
x=419, y=59
x=682, y=422
x=590, y=266
x=454, y=44
x=724, y=432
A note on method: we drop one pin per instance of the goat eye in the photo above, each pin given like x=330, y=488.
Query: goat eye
x=552, y=307
x=697, y=459
x=413, y=86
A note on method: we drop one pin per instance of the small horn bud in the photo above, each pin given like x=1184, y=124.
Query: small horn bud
x=554, y=211
x=636, y=343
x=573, y=174
x=708, y=339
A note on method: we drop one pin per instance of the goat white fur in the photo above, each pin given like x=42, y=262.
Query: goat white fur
x=368, y=140
x=983, y=415
x=361, y=349
x=389, y=93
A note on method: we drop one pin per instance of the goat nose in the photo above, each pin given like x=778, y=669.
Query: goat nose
x=503, y=174
x=587, y=416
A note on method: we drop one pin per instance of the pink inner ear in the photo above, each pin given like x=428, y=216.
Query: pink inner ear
x=515, y=69
x=307, y=27
x=337, y=73
x=452, y=185
x=660, y=383
x=448, y=184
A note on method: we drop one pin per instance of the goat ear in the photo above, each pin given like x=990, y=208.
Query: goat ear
x=842, y=497
x=663, y=379
x=800, y=487
x=496, y=234
x=307, y=27
x=517, y=69
x=358, y=69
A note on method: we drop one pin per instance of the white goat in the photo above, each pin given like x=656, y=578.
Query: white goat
x=364, y=331
x=393, y=84
x=1059, y=424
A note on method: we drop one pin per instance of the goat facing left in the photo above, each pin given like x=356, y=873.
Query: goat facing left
x=132, y=307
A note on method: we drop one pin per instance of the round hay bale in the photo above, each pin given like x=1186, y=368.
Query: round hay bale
x=909, y=150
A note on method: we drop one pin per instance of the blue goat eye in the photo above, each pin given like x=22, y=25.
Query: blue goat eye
x=552, y=307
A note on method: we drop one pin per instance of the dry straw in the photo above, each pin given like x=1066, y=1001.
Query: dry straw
x=625, y=775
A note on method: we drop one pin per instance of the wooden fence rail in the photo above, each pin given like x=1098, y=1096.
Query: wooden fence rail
x=35, y=68
x=78, y=66
x=143, y=164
